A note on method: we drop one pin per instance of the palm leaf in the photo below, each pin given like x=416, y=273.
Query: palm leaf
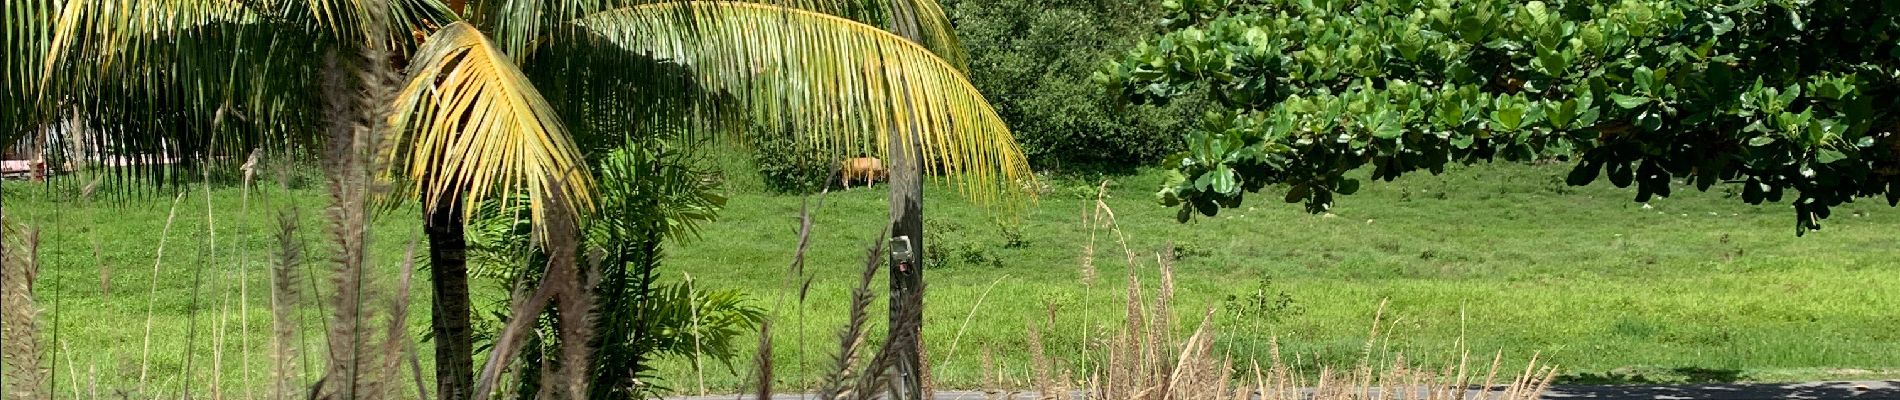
x=25, y=41
x=470, y=126
x=162, y=84
x=516, y=24
x=844, y=84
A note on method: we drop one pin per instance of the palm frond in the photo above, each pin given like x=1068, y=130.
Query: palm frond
x=846, y=86
x=516, y=24
x=656, y=185
x=25, y=41
x=924, y=22
x=156, y=86
x=470, y=126
x=109, y=33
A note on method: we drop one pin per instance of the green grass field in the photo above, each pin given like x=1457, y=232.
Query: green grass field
x=1698, y=287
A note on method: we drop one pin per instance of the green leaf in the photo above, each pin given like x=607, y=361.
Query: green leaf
x=1388, y=128
x=1298, y=192
x=1621, y=174
x=1828, y=156
x=1348, y=186
x=1584, y=173
x=1753, y=191
x=1627, y=101
x=1645, y=78
x=1508, y=118
x=1760, y=141
x=1220, y=180
x=1462, y=141
x=1561, y=113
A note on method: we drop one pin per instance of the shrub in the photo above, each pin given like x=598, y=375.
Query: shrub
x=1032, y=58
x=787, y=167
x=948, y=243
x=1012, y=235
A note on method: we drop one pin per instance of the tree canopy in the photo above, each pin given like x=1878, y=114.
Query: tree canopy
x=1032, y=60
x=1788, y=98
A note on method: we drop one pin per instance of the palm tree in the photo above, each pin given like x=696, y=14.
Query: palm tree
x=503, y=99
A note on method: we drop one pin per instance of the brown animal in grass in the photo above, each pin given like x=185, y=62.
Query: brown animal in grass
x=868, y=169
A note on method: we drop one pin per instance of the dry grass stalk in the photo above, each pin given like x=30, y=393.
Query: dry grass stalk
x=1089, y=274
x=764, y=362
x=923, y=367
x=210, y=252
x=358, y=367
x=699, y=372
x=244, y=272
x=415, y=373
x=72, y=367
x=217, y=347
x=851, y=338
x=880, y=374
x=526, y=305
x=158, y=260
x=395, y=336
x=1039, y=363
x=572, y=292
x=563, y=284
x=19, y=326
x=1142, y=363
x=1161, y=320
x=990, y=382
x=794, y=273
x=283, y=302
x=98, y=256
x=92, y=382
x=349, y=180
x=954, y=341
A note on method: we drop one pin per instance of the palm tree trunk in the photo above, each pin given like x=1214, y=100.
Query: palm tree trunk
x=448, y=273
x=907, y=220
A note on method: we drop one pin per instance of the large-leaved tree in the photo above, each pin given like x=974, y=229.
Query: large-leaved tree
x=1792, y=99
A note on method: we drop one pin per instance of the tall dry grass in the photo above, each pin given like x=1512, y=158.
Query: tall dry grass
x=363, y=362
x=19, y=317
x=284, y=375
x=1144, y=359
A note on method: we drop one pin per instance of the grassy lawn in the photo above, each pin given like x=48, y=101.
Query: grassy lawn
x=1697, y=287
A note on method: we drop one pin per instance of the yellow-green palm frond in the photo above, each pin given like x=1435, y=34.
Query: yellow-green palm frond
x=923, y=21
x=164, y=84
x=105, y=33
x=845, y=85
x=516, y=24
x=225, y=56
x=343, y=19
x=25, y=42
x=470, y=126
x=112, y=31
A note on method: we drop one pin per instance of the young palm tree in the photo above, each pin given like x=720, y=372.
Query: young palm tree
x=162, y=84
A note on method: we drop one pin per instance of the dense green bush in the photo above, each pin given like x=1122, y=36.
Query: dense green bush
x=1032, y=58
x=787, y=167
x=948, y=243
x=1780, y=96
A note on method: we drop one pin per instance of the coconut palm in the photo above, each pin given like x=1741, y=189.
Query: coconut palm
x=502, y=99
